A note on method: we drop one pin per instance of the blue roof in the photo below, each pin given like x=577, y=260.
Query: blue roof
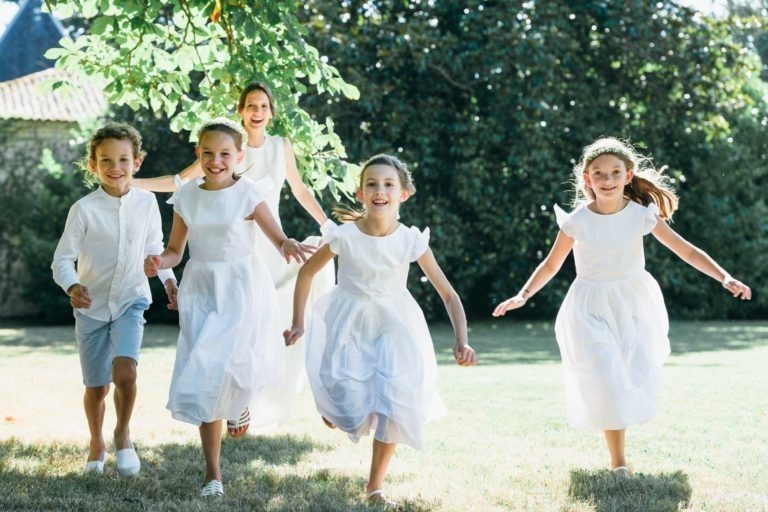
x=26, y=39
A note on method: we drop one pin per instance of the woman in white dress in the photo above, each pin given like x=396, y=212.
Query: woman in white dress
x=370, y=358
x=612, y=326
x=269, y=161
x=229, y=346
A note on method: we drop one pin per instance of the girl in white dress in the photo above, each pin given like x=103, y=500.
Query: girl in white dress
x=229, y=347
x=612, y=326
x=270, y=162
x=370, y=359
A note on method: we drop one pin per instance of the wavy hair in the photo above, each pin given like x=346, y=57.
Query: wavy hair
x=648, y=185
x=350, y=214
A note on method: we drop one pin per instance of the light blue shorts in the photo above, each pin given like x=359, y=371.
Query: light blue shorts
x=99, y=343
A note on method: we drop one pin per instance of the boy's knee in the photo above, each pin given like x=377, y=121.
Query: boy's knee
x=97, y=392
x=123, y=371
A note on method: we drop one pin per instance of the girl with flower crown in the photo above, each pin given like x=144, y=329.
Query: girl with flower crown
x=229, y=344
x=370, y=359
x=612, y=326
x=268, y=161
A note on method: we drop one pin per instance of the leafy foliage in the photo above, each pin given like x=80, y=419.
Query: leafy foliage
x=189, y=59
x=491, y=104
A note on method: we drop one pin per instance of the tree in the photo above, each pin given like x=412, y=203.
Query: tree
x=189, y=59
x=491, y=103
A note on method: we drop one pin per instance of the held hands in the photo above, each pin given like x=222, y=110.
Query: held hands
x=737, y=288
x=79, y=297
x=290, y=248
x=152, y=265
x=172, y=291
x=510, y=304
x=292, y=335
x=464, y=354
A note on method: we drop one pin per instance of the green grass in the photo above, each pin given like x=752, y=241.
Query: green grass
x=504, y=445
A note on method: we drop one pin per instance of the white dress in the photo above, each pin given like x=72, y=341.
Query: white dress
x=370, y=359
x=230, y=345
x=265, y=166
x=612, y=326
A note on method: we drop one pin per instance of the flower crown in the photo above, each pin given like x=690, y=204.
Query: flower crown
x=223, y=121
x=610, y=150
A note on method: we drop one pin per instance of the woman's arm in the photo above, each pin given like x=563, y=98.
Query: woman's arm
x=541, y=276
x=301, y=291
x=698, y=259
x=299, y=190
x=167, y=183
x=462, y=352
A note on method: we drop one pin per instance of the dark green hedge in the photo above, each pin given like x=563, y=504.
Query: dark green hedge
x=491, y=103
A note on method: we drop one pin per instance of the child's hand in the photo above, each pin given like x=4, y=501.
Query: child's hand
x=172, y=291
x=464, y=354
x=509, y=304
x=151, y=265
x=79, y=297
x=292, y=335
x=290, y=248
x=737, y=288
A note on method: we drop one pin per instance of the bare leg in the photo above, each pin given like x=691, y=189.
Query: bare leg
x=93, y=403
x=382, y=455
x=615, y=441
x=124, y=378
x=210, y=436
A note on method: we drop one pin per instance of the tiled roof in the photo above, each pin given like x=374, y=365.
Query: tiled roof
x=26, y=39
x=24, y=98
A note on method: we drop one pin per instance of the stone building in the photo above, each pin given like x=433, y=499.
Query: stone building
x=34, y=117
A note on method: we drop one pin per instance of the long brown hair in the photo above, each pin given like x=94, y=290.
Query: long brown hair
x=648, y=185
x=350, y=214
x=256, y=86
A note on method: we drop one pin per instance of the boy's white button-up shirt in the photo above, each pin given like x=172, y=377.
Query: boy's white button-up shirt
x=109, y=237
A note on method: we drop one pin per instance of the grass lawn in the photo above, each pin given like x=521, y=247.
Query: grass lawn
x=504, y=445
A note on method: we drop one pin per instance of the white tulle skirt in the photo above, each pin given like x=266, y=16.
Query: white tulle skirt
x=613, y=342
x=230, y=345
x=371, y=365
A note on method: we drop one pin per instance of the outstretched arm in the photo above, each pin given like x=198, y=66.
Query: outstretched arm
x=166, y=183
x=301, y=291
x=462, y=352
x=299, y=190
x=699, y=260
x=541, y=276
x=288, y=247
x=172, y=254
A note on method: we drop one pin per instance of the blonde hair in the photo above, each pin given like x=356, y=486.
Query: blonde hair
x=648, y=185
x=349, y=214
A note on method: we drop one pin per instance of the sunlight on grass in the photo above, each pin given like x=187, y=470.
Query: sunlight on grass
x=504, y=445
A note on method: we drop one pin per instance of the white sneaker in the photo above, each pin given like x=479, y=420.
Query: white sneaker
x=128, y=463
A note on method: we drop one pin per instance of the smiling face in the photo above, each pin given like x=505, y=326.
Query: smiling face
x=218, y=156
x=382, y=192
x=256, y=111
x=606, y=176
x=114, y=163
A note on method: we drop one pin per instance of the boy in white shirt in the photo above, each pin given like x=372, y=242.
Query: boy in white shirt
x=109, y=232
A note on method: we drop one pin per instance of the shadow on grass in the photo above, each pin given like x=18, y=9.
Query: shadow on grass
x=510, y=342
x=259, y=474
x=640, y=493
x=61, y=339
